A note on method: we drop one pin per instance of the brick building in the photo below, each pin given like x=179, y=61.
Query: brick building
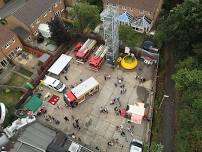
x=2, y=3
x=33, y=13
x=149, y=8
x=10, y=46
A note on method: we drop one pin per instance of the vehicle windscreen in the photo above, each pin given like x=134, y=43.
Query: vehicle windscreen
x=59, y=86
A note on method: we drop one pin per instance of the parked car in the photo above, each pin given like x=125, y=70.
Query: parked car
x=54, y=83
x=136, y=146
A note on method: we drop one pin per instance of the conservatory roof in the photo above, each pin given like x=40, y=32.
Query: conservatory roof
x=125, y=17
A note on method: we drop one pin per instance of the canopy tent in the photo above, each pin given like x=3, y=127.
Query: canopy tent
x=33, y=104
x=137, y=112
x=60, y=64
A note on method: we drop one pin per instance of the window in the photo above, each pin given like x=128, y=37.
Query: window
x=13, y=40
x=123, y=7
x=37, y=22
x=4, y=63
x=131, y=9
x=141, y=12
x=58, y=14
x=11, y=55
x=35, y=33
x=18, y=49
x=7, y=46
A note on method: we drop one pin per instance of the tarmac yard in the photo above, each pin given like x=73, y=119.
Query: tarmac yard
x=97, y=129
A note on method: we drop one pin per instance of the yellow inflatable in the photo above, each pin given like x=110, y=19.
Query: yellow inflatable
x=129, y=62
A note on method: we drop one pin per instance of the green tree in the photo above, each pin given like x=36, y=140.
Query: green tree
x=188, y=63
x=85, y=16
x=181, y=28
x=156, y=147
x=129, y=37
x=188, y=79
x=58, y=32
x=98, y=3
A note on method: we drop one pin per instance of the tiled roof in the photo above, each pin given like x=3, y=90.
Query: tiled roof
x=5, y=35
x=23, y=34
x=32, y=10
x=147, y=5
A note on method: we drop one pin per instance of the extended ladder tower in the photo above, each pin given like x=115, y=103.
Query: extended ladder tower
x=111, y=35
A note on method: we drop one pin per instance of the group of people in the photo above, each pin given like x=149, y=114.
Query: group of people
x=141, y=79
x=51, y=119
x=123, y=89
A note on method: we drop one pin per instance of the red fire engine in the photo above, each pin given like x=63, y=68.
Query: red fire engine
x=98, y=58
x=84, y=52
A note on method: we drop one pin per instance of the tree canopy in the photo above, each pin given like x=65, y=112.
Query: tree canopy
x=58, y=32
x=180, y=31
x=98, y=3
x=182, y=27
x=85, y=16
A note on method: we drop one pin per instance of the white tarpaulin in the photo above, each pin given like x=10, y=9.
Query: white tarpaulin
x=60, y=64
x=137, y=109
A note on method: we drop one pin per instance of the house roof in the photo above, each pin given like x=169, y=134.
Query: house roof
x=5, y=35
x=147, y=5
x=34, y=138
x=23, y=34
x=32, y=10
x=11, y=7
x=63, y=143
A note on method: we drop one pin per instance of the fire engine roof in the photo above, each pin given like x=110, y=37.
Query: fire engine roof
x=80, y=54
x=95, y=60
x=70, y=96
x=60, y=64
x=84, y=87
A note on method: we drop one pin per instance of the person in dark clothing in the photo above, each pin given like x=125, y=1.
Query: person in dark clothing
x=66, y=77
x=66, y=118
x=74, y=125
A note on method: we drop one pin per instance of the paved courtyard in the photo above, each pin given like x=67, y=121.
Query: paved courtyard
x=99, y=128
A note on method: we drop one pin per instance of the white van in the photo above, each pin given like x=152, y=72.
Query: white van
x=54, y=83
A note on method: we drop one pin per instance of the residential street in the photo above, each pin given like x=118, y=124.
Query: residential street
x=169, y=111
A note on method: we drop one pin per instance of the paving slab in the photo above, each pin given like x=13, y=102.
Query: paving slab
x=97, y=129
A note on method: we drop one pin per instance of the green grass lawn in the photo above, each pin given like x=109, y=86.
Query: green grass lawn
x=10, y=99
x=17, y=80
x=25, y=72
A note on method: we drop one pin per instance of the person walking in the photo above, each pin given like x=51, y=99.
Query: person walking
x=66, y=77
x=74, y=125
x=66, y=118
